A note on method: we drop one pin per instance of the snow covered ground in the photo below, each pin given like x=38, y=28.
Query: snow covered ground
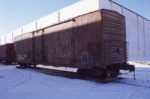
x=28, y=84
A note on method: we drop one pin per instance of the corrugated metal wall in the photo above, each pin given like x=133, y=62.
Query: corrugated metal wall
x=138, y=28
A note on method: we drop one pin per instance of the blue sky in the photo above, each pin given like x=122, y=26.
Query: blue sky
x=16, y=13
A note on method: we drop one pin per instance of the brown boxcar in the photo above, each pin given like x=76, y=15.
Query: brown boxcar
x=7, y=53
x=94, y=43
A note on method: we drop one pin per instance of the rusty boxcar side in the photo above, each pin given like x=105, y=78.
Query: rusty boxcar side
x=24, y=49
x=94, y=42
x=38, y=46
x=59, y=45
x=87, y=40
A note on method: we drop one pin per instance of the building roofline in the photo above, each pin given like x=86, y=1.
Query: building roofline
x=129, y=10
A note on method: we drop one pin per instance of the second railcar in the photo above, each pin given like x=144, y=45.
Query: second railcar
x=95, y=43
x=7, y=53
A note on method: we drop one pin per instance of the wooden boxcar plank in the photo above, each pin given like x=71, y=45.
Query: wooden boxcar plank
x=58, y=40
x=28, y=48
x=87, y=40
x=24, y=49
x=38, y=47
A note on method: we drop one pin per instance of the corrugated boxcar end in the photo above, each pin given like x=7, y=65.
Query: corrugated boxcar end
x=114, y=42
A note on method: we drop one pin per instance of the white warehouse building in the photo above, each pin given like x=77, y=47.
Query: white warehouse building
x=137, y=27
